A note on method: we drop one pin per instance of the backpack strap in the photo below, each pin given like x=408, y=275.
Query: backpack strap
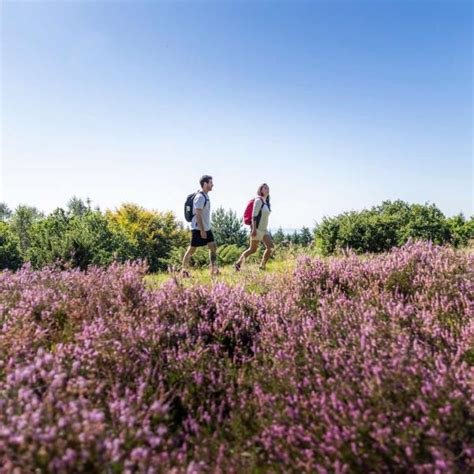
x=205, y=198
x=258, y=217
x=205, y=201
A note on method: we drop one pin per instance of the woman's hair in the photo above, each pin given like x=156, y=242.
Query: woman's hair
x=259, y=193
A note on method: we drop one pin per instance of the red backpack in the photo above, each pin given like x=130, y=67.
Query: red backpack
x=249, y=211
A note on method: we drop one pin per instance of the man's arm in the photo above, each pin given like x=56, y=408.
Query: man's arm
x=200, y=223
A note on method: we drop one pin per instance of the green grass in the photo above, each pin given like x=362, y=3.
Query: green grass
x=250, y=277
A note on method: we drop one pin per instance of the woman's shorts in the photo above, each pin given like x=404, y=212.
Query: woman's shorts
x=198, y=241
x=260, y=235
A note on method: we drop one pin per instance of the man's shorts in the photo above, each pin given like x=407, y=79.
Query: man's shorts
x=260, y=235
x=198, y=241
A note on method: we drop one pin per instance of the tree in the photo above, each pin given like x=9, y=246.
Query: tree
x=47, y=239
x=149, y=235
x=10, y=256
x=80, y=240
x=279, y=237
x=294, y=238
x=5, y=212
x=461, y=230
x=21, y=222
x=425, y=222
x=77, y=207
x=227, y=228
x=382, y=227
x=305, y=236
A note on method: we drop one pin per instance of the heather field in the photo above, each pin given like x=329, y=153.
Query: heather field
x=320, y=365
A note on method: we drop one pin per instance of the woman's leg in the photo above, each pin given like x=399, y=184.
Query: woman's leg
x=251, y=250
x=267, y=240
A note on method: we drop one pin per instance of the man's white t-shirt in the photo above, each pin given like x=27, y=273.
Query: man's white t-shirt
x=199, y=201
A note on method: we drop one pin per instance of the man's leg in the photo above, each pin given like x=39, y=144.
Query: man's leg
x=186, y=260
x=213, y=257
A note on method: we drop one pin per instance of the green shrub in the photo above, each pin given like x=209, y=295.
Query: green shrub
x=147, y=235
x=228, y=254
x=77, y=240
x=461, y=230
x=382, y=227
x=227, y=228
x=10, y=255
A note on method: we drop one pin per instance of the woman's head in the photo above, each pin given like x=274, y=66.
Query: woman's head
x=263, y=190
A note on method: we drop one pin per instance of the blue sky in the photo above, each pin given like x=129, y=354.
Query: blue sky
x=336, y=105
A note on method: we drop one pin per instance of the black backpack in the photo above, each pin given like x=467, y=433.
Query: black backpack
x=189, y=205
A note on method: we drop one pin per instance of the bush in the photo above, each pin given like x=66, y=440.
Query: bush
x=382, y=227
x=74, y=240
x=227, y=228
x=81, y=237
x=461, y=230
x=10, y=255
x=229, y=254
x=21, y=223
x=147, y=235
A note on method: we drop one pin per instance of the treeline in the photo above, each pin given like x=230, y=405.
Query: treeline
x=80, y=235
x=391, y=224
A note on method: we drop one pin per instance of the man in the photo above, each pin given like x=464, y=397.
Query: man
x=201, y=227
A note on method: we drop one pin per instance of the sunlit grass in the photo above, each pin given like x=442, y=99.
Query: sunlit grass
x=250, y=277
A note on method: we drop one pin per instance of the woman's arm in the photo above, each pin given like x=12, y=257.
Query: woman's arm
x=257, y=207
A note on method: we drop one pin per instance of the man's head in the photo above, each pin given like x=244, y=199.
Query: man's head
x=206, y=183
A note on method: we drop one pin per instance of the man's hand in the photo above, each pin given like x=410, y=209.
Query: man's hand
x=203, y=234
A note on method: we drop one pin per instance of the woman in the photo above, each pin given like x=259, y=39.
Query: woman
x=259, y=231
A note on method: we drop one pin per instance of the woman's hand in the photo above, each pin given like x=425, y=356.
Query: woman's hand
x=254, y=232
x=203, y=234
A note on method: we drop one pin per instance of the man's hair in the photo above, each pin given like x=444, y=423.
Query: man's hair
x=205, y=179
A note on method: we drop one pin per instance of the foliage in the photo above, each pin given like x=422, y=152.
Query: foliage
x=77, y=207
x=462, y=230
x=80, y=236
x=227, y=228
x=5, y=212
x=149, y=235
x=279, y=236
x=229, y=254
x=21, y=223
x=10, y=255
x=305, y=236
x=382, y=227
x=75, y=239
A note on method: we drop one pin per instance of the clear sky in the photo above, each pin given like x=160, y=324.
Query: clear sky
x=336, y=105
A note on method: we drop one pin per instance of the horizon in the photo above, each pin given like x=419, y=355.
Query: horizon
x=337, y=105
